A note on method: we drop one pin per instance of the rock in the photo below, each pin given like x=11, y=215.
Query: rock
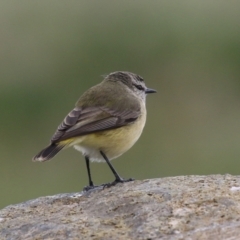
x=187, y=207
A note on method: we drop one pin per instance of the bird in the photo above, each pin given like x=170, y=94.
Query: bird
x=106, y=121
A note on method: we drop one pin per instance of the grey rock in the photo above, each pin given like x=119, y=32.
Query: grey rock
x=187, y=207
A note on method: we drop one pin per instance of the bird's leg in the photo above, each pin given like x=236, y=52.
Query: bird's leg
x=91, y=185
x=118, y=179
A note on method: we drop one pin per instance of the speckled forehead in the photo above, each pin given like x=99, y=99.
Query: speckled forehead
x=137, y=80
x=126, y=77
x=129, y=75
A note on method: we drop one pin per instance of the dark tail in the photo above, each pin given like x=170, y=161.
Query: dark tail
x=48, y=152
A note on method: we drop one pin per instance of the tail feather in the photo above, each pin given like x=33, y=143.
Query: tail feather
x=48, y=152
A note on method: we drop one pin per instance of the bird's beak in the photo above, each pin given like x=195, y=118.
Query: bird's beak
x=149, y=90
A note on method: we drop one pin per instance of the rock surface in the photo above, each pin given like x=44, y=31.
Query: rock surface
x=188, y=207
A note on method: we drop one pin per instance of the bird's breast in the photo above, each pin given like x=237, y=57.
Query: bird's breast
x=112, y=142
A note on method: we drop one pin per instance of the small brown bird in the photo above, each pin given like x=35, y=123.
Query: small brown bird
x=106, y=122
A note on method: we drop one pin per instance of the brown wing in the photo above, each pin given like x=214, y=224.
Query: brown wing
x=92, y=119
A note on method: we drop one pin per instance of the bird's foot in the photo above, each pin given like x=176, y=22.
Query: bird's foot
x=107, y=185
x=116, y=181
x=88, y=188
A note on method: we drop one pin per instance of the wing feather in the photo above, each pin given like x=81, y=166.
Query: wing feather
x=82, y=121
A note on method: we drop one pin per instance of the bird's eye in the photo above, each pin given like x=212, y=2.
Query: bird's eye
x=139, y=87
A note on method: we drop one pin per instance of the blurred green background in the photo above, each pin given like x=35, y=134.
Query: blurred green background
x=52, y=51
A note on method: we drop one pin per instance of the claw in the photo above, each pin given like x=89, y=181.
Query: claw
x=116, y=181
x=107, y=185
x=87, y=188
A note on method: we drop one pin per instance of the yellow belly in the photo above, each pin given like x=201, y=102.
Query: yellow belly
x=112, y=142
